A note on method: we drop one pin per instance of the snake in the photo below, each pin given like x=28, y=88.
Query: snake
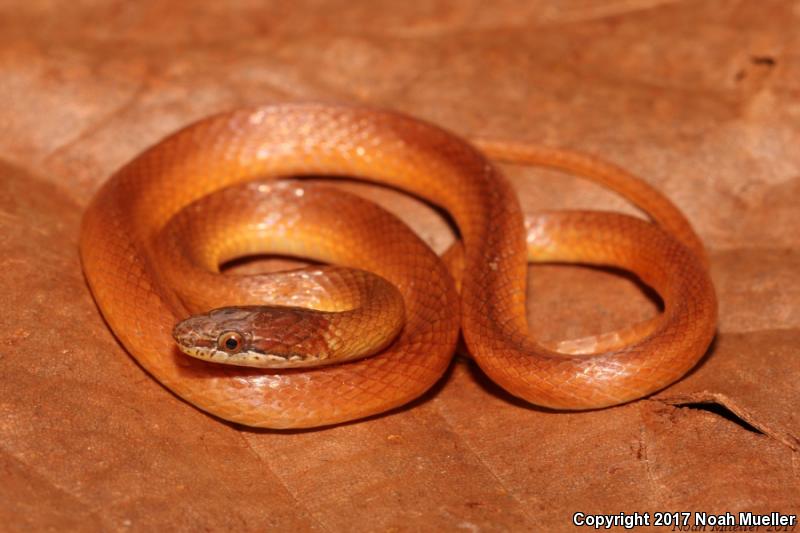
x=156, y=232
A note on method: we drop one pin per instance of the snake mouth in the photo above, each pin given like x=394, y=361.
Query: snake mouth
x=195, y=346
x=194, y=352
x=246, y=358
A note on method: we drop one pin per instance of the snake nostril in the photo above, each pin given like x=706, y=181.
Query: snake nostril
x=183, y=335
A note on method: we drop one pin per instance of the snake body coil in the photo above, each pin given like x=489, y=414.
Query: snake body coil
x=129, y=278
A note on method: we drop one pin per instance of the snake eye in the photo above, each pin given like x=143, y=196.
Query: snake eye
x=230, y=341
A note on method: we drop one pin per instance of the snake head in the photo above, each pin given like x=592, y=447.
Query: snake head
x=215, y=336
x=256, y=336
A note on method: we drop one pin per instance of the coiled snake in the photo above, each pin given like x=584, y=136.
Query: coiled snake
x=155, y=234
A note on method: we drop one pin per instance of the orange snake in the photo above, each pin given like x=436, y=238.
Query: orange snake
x=140, y=207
